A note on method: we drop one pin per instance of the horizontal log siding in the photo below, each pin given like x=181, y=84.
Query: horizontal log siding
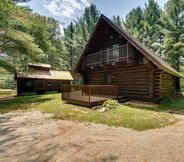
x=167, y=86
x=133, y=81
x=157, y=75
x=95, y=78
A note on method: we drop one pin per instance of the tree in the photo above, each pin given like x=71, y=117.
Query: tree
x=133, y=23
x=117, y=20
x=28, y=37
x=151, y=33
x=16, y=44
x=77, y=33
x=173, y=21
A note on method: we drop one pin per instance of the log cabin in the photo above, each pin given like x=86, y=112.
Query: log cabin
x=113, y=57
x=40, y=78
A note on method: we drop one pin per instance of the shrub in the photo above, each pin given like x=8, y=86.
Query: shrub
x=110, y=104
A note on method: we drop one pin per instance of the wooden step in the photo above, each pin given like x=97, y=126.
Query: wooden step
x=123, y=98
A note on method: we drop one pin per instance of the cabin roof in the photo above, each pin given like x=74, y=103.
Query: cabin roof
x=155, y=59
x=42, y=74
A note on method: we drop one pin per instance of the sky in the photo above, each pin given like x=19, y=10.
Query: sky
x=67, y=10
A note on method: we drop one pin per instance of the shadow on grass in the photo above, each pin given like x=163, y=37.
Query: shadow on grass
x=23, y=102
x=175, y=106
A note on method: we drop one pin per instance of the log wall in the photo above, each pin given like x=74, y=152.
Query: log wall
x=134, y=81
x=167, y=85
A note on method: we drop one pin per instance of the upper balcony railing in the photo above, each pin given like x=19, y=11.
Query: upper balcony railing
x=110, y=55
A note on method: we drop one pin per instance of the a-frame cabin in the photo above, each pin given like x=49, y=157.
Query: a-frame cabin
x=114, y=57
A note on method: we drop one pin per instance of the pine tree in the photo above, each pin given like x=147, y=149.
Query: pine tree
x=173, y=22
x=77, y=34
x=133, y=23
x=151, y=34
x=117, y=20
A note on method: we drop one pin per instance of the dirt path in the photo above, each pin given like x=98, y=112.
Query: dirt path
x=32, y=137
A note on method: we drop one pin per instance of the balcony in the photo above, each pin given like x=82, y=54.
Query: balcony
x=111, y=55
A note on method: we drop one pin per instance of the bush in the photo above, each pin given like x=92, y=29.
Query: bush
x=110, y=104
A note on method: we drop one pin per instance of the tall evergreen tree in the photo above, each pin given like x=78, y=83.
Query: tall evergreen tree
x=151, y=33
x=133, y=23
x=173, y=22
x=117, y=20
x=77, y=34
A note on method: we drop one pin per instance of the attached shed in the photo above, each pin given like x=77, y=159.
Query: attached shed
x=41, y=78
x=113, y=57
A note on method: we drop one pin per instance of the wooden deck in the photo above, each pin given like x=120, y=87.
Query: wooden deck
x=89, y=95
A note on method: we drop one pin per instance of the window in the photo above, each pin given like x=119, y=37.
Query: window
x=29, y=83
x=48, y=84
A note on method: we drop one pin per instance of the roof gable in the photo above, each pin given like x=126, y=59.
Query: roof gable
x=139, y=46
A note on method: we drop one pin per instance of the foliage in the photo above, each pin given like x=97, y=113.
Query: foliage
x=133, y=23
x=161, y=31
x=173, y=31
x=28, y=37
x=151, y=19
x=6, y=80
x=118, y=21
x=111, y=104
x=77, y=33
x=126, y=116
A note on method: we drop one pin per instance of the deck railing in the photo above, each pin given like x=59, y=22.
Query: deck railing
x=89, y=93
x=110, y=55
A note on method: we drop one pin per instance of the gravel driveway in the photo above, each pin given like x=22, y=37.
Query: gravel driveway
x=32, y=137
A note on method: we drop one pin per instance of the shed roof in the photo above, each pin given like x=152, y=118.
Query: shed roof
x=42, y=74
x=155, y=59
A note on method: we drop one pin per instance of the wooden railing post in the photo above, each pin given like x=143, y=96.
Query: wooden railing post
x=100, y=56
x=107, y=55
x=89, y=92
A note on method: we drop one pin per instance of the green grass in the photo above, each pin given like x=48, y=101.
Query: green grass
x=176, y=106
x=126, y=116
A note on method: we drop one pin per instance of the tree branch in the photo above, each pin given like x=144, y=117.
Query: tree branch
x=4, y=43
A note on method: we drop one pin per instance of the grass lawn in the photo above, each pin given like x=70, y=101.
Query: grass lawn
x=138, y=118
